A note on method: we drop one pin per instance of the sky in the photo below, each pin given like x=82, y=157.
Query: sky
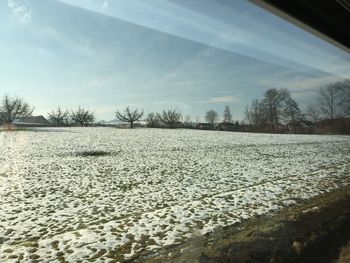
x=191, y=55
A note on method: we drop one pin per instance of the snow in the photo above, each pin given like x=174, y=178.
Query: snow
x=157, y=187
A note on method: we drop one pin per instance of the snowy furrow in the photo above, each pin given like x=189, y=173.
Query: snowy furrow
x=154, y=188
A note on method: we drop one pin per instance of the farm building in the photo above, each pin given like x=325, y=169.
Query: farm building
x=33, y=121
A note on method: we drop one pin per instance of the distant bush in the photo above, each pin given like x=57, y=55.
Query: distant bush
x=92, y=153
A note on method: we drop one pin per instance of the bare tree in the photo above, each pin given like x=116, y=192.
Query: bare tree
x=82, y=116
x=330, y=101
x=14, y=108
x=152, y=120
x=252, y=113
x=272, y=105
x=313, y=113
x=170, y=117
x=212, y=117
x=187, y=119
x=227, y=114
x=248, y=114
x=344, y=87
x=129, y=116
x=58, y=116
x=292, y=113
x=197, y=120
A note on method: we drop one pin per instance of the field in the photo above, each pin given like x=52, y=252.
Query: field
x=99, y=194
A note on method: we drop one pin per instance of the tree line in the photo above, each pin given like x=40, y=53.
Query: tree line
x=274, y=112
x=277, y=109
x=85, y=117
x=12, y=108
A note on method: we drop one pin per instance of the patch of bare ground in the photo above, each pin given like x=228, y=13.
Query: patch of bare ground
x=315, y=230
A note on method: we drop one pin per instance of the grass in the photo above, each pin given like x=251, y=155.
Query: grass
x=295, y=234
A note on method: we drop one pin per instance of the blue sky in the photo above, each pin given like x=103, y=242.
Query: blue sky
x=191, y=55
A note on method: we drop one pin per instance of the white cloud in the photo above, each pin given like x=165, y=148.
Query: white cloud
x=310, y=84
x=172, y=104
x=222, y=99
x=79, y=45
x=20, y=10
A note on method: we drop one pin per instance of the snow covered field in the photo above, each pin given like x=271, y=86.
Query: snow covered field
x=156, y=187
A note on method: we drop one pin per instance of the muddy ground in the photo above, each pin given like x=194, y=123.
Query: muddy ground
x=316, y=230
